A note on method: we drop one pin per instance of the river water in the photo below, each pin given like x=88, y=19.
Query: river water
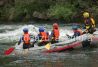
x=9, y=35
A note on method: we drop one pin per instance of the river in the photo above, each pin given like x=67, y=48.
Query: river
x=9, y=35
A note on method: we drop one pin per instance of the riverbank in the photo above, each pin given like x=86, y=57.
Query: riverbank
x=67, y=10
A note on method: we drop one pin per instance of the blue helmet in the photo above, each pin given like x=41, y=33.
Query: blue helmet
x=25, y=30
x=75, y=26
x=41, y=29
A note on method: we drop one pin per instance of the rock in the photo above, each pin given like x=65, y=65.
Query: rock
x=1, y=3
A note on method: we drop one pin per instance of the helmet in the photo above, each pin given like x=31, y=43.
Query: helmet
x=86, y=14
x=75, y=26
x=55, y=26
x=25, y=30
x=41, y=29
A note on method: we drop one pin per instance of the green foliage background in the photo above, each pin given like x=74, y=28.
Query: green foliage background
x=68, y=10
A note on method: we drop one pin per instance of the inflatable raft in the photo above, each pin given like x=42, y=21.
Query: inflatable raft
x=78, y=42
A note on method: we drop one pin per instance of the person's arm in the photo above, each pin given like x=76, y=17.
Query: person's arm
x=93, y=22
x=51, y=36
x=37, y=38
x=32, y=40
x=20, y=40
x=32, y=36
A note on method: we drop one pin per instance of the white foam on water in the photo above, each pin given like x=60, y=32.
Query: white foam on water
x=96, y=32
x=9, y=26
x=63, y=33
x=16, y=34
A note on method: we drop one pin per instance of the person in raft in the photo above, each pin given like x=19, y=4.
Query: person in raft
x=25, y=39
x=42, y=37
x=76, y=30
x=89, y=23
x=55, y=34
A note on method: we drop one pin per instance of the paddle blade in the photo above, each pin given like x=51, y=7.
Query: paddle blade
x=9, y=51
x=47, y=46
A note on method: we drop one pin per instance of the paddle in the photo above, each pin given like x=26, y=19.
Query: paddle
x=47, y=46
x=9, y=51
x=70, y=37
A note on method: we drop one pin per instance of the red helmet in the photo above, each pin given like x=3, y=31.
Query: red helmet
x=55, y=26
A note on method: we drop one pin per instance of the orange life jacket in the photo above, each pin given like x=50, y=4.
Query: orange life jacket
x=44, y=36
x=26, y=38
x=56, y=34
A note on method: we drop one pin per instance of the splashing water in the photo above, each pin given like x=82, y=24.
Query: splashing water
x=17, y=33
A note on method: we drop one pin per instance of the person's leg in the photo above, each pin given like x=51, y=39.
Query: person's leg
x=32, y=44
x=52, y=41
x=91, y=30
x=26, y=49
x=56, y=41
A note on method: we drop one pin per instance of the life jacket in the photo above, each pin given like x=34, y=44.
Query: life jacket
x=77, y=32
x=89, y=22
x=26, y=38
x=56, y=34
x=44, y=36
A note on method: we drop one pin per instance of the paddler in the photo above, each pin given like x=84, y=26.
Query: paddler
x=26, y=37
x=42, y=37
x=89, y=23
x=55, y=33
x=76, y=30
x=26, y=40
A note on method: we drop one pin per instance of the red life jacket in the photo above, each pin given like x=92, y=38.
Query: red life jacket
x=78, y=31
x=56, y=34
x=44, y=36
x=26, y=38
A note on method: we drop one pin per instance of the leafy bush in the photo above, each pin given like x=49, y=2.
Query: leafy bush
x=62, y=10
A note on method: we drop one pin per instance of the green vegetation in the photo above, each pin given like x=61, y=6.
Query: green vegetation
x=25, y=10
x=62, y=11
